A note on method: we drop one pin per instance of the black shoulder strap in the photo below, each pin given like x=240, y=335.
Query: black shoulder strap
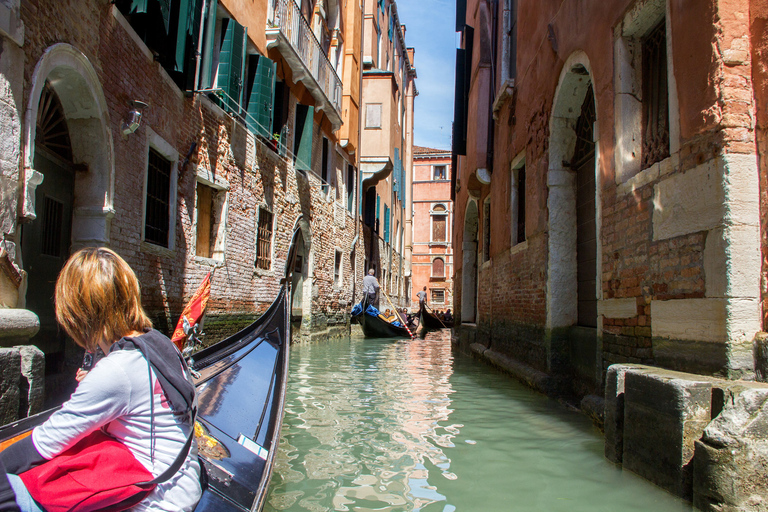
x=173, y=468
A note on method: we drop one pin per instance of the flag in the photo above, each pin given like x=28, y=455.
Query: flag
x=193, y=311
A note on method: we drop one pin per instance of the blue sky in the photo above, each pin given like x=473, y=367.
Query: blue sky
x=430, y=29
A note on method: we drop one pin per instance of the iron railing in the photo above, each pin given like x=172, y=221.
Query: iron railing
x=287, y=17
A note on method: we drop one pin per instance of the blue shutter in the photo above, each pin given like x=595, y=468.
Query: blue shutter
x=391, y=30
x=395, y=173
x=261, y=98
x=386, y=223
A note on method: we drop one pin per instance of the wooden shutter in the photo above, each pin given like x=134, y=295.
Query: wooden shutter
x=209, y=41
x=231, y=61
x=459, y=117
x=204, y=203
x=261, y=97
x=305, y=117
x=139, y=6
x=438, y=228
x=438, y=267
x=461, y=14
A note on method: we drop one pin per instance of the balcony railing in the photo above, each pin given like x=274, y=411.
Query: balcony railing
x=290, y=22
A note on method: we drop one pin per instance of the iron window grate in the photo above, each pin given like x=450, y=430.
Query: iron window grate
x=157, y=218
x=264, y=240
x=53, y=219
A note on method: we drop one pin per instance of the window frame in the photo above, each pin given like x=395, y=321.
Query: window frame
x=444, y=174
x=432, y=273
x=433, y=214
x=220, y=187
x=432, y=298
x=271, y=248
x=368, y=124
x=164, y=149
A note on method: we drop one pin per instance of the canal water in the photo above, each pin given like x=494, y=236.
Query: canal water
x=384, y=425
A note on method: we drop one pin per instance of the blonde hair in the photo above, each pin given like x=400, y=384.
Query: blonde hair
x=98, y=298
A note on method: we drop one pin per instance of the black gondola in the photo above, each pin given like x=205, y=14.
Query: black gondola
x=376, y=327
x=430, y=321
x=241, y=398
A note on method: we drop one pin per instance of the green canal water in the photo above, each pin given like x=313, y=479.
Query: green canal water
x=383, y=425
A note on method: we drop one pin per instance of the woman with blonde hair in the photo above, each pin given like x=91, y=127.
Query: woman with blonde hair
x=139, y=395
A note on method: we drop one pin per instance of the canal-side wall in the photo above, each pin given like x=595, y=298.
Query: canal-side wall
x=676, y=240
x=701, y=438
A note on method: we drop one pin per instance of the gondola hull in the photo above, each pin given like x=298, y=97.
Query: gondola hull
x=241, y=398
x=375, y=327
x=431, y=322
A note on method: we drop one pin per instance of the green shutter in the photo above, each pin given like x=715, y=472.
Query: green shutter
x=230, y=75
x=386, y=223
x=391, y=30
x=261, y=98
x=305, y=120
x=378, y=200
x=185, y=25
x=206, y=66
x=139, y=6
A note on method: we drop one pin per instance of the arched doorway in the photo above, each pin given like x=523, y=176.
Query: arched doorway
x=469, y=265
x=68, y=191
x=583, y=162
x=574, y=254
x=46, y=240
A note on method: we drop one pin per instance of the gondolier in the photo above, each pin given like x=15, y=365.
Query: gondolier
x=422, y=295
x=371, y=288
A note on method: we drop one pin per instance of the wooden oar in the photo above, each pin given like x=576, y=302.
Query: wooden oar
x=397, y=314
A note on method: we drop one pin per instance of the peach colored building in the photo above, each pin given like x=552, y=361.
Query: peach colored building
x=432, y=258
x=388, y=90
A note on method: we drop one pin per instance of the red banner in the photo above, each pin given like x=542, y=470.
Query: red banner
x=193, y=311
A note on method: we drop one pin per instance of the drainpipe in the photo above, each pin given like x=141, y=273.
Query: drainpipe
x=492, y=92
x=358, y=181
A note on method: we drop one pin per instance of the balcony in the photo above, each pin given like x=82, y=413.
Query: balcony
x=289, y=32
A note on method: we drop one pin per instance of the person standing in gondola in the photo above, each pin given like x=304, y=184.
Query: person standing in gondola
x=371, y=288
x=422, y=295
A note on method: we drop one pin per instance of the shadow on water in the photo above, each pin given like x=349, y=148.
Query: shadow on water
x=410, y=425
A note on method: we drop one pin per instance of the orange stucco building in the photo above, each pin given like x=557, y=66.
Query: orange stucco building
x=432, y=259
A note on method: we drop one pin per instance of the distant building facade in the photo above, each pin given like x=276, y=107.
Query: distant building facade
x=432, y=260
x=191, y=137
x=386, y=149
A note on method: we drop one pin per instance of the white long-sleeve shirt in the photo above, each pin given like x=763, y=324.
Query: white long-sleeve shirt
x=116, y=394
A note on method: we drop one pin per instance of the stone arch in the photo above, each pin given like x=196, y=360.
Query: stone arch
x=469, y=264
x=301, y=300
x=562, y=288
x=75, y=82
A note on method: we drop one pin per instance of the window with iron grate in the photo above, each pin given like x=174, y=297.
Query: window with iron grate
x=157, y=216
x=655, y=97
x=53, y=219
x=438, y=296
x=264, y=240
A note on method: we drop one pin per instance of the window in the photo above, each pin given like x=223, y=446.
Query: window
x=655, y=97
x=517, y=203
x=370, y=214
x=53, y=220
x=260, y=96
x=438, y=172
x=439, y=223
x=351, y=185
x=337, y=269
x=384, y=279
x=171, y=33
x=157, y=216
x=210, y=222
x=324, y=169
x=438, y=296
x=487, y=230
x=264, y=240
x=373, y=115
x=438, y=267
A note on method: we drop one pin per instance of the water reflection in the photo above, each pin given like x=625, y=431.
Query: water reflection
x=383, y=425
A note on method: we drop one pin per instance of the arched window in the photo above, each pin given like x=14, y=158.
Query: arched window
x=439, y=223
x=438, y=267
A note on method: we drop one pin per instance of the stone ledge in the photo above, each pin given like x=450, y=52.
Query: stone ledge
x=532, y=377
x=17, y=326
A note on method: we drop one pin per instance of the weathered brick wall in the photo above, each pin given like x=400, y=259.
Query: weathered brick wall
x=256, y=177
x=715, y=114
